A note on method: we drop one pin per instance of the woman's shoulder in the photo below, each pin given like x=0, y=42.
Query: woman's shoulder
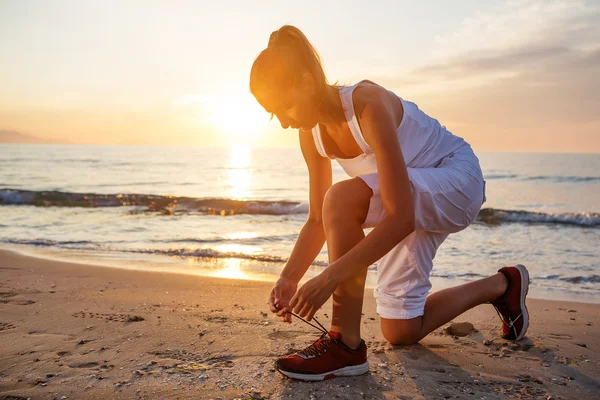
x=368, y=93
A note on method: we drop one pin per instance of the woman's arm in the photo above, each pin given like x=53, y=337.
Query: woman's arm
x=378, y=119
x=312, y=236
x=379, y=122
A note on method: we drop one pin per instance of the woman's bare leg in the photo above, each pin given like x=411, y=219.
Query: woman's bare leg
x=345, y=210
x=442, y=306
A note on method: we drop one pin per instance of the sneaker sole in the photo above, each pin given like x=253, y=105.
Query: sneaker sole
x=524, y=285
x=352, y=370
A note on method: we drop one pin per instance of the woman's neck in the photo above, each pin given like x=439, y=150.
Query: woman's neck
x=331, y=111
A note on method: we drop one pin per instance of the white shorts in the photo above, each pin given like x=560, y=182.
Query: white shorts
x=446, y=199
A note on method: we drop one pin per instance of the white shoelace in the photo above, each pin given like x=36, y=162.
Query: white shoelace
x=510, y=322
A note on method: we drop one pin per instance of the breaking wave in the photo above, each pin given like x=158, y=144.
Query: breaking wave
x=496, y=216
x=171, y=205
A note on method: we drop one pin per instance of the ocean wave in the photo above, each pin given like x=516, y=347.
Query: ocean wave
x=172, y=205
x=496, y=216
x=49, y=242
x=212, y=253
x=578, y=279
x=500, y=176
x=563, y=179
x=206, y=253
x=219, y=239
x=551, y=178
x=581, y=281
x=449, y=275
x=166, y=205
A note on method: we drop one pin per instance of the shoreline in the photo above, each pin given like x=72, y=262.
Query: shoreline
x=100, y=332
x=231, y=268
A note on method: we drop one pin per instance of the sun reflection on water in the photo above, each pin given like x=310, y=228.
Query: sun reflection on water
x=240, y=235
x=239, y=173
x=233, y=270
x=238, y=248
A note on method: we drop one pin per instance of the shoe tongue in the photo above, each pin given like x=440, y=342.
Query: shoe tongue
x=335, y=335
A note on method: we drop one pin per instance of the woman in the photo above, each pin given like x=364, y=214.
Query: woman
x=413, y=181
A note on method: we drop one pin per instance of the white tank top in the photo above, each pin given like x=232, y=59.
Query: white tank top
x=424, y=142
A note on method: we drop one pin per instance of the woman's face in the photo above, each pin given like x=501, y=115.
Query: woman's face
x=294, y=108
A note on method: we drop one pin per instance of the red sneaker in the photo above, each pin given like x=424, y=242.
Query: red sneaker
x=511, y=305
x=326, y=358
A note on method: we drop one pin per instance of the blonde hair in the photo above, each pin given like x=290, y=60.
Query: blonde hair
x=288, y=56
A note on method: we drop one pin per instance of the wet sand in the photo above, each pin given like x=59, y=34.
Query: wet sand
x=84, y=332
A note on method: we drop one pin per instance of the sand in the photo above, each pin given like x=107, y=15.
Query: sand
x=74, y=331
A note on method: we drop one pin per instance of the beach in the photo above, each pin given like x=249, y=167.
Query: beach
x=73, y=331
x=162, y=167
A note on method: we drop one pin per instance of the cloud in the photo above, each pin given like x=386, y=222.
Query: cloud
x=551, y=40
x=532, y=71
x=563, y=23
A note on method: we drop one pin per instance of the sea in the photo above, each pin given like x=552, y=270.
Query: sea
x=236, y=213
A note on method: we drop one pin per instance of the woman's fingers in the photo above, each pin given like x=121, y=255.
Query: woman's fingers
x=272, y=303
x=294, y=301
x=311, y=313
x=282, y=312
x=305, y=310
x=276, y=295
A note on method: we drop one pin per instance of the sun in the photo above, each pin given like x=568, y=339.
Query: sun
x=238, y=116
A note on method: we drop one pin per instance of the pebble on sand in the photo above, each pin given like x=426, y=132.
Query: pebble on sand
x=460, y=329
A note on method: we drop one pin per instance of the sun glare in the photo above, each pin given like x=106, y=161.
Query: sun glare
x=238, y=173
x=232, y=270
x=238, y=116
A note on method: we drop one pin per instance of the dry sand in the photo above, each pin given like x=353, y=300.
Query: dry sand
x=82, y=332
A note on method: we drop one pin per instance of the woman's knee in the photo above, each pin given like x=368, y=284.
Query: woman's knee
x=401, y=331
x=347, y=200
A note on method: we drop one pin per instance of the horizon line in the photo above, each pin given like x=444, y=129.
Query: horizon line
x=259, y=147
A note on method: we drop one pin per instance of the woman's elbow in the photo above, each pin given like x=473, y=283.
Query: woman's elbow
x=405, y=221
x=315, y=220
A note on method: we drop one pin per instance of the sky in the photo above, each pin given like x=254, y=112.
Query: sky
x=504, y=75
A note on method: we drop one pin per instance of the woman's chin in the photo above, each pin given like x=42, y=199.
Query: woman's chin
x=307, y=127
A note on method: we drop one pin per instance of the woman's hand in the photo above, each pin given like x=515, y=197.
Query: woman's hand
x=280, y=297
x=312, y=295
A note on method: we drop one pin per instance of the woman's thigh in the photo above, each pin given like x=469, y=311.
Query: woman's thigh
x=446, y=199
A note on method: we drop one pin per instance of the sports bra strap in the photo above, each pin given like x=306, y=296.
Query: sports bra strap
x=348, y=105
x=316, y=132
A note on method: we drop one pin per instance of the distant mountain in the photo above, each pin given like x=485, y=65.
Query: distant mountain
x=17, y=137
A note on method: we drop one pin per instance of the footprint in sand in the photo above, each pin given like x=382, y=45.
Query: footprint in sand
x=199, y=359
x=4, y=326
x=437, y=346
x=377, y=347
x=559, y=336
x=244, y=321
x=109, y=317
x=285, y=335
x=89, y=364
x=216, y=318
x=6, y=297
x=17, y=302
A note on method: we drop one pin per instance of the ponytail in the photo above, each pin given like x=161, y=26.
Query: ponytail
x=288, y=56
